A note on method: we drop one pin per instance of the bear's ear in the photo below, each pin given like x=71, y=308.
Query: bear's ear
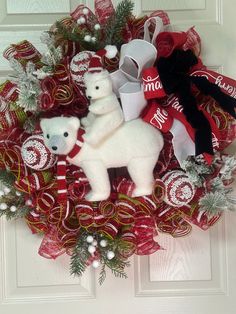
x=74, y=122
x=43, y=124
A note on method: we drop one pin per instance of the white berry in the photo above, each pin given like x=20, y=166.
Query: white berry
x=103, y=243
x=95, y=243
x=93, y=39
x=13, y=208
x=82, y=20
x=3, y=206
x=110, y=255
x=85, y=11
x=95, y=264
x=91, y=249
x=89, y=239
x=28, y=203
x=87, y=38
x=97, y=27
x=6, y=190
x=18, y=193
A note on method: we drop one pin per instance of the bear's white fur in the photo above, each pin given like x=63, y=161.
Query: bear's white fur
x=105, y=113
x=135, y=144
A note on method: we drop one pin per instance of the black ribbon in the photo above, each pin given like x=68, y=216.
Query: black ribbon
x=175, y=78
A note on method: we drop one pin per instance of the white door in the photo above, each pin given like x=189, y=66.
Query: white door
x=195, y=274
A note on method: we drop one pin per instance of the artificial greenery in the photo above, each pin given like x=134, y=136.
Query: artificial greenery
x=7, y=178
x=12, y=204
x=21, y=212
x=81, y=256
x=213, y=203
x=78, y=35
x=216, y=197
x=117, y=265
x=109, y=34
x=28, y=84
x=197, y=170
x=116, y=23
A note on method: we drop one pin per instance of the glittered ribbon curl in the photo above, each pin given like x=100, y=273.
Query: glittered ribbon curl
x=23, y=52
x=59, y=89
x=127, y=217
x=33, y=182
x=142, y=231
x=69, y=47
x=10, y=156
x=8, y=91
x=12, y=118
x=62, y=229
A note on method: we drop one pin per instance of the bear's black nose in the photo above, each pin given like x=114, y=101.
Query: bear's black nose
x=54, y=147
x=89, y=97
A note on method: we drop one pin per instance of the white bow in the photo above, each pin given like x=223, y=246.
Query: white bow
x=135, y=56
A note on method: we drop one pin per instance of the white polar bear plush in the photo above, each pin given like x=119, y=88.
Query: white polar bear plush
x=134, y=144
x=105, y=113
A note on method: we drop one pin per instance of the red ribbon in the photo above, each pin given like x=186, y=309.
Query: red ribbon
x=103, y=10
x=34, y=182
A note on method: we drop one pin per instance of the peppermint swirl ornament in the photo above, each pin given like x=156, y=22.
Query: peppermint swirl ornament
x=79, y=66
x=36, y=155
x=179, y=189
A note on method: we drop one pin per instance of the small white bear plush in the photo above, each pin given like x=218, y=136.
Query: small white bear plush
x=105, y=113
x=134, y=144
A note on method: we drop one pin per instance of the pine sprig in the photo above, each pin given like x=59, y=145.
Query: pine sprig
x=80, y=256
x=77, y=35
x=7, y=178
x=119, y=273
x=197, y=171
x=28, y=84
x=12, y=203
x=20, y=213
x=117, y=265
x=115, y=25
x=213, y=203
x=102, y=275
x=217, y=195
x=68, y=33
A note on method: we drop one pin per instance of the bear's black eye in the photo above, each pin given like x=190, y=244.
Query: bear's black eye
x=97, y=87
x=66, y=134
x=48, y=136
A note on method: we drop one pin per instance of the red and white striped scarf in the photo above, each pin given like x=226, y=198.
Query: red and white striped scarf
x=61, y=167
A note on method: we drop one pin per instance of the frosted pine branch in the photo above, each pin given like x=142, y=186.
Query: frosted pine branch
x=28, y=85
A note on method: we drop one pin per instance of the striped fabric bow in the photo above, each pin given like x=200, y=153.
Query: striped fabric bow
x=61, y=167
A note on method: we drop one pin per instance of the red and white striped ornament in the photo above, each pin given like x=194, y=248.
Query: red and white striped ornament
x=36, y=155
x=179, y=189
x=79, y=66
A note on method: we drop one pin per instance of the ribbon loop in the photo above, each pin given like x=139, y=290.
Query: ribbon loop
x=158, y=27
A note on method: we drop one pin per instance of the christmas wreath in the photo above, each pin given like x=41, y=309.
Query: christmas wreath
x=114, y=133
